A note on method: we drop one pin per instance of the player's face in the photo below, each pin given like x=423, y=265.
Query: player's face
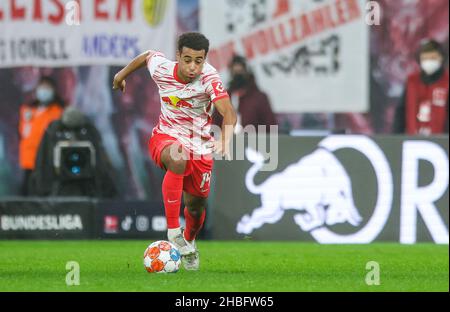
x=190, y=63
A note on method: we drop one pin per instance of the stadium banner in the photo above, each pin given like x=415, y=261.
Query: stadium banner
x=130, y=219
x=308, y=56
x=71, y=33
x=336, y=190
x=82, y=218
x=46, y=218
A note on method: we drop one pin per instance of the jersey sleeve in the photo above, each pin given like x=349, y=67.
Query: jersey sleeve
x=214, y=86
x=154, y=59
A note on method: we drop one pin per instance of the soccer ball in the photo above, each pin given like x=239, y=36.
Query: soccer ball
x=162, y=257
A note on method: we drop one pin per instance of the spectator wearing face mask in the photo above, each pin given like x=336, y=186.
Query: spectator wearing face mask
x=252, y=105
x=34, y=119
x=423, y=109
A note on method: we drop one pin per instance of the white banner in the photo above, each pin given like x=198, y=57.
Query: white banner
x=308, y=55
x=94, y=32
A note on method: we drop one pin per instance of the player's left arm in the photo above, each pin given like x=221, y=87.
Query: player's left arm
x=225, y=108
x=138, y=62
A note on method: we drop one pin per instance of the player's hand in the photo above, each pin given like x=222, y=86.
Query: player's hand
x=119, y=83
x=222, y=149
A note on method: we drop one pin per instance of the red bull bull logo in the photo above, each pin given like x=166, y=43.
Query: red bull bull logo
x=176, y=102
x=319, y=189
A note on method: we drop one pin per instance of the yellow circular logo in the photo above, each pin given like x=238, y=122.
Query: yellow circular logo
x=154, y=11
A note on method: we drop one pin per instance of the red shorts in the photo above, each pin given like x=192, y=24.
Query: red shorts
x=198, y=171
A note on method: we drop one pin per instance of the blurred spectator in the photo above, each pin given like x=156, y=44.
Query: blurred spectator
x=252, y=105
x=72, y=161
x=423, y=109
x=33, y=120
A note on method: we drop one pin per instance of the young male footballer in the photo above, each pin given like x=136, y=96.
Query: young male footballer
x=181, y=143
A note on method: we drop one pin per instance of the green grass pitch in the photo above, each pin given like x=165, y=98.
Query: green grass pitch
x=225, y=266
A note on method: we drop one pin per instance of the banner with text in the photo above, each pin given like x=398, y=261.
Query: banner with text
x=309, y=56
x=70, y=33
x=46, y=218
x=345, y=189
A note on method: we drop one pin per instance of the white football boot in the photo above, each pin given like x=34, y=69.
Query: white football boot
x=188, y=252
x=191, y=262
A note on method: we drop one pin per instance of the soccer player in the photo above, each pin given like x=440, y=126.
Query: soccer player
x=181, y=143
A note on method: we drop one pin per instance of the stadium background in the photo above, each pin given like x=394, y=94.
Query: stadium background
x=125, y=122
x=290, y=261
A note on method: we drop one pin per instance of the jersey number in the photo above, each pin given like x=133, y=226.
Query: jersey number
x=206, y=179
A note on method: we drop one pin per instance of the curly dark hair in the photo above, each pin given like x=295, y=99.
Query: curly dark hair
x=193, y=40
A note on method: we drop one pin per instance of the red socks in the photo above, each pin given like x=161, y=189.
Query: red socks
x=172, y=189
x=193, y=225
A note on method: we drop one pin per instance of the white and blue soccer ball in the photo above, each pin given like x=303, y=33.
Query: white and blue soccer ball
x=162, y=257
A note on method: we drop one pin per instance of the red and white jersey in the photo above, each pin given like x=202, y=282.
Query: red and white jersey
x=186, y=108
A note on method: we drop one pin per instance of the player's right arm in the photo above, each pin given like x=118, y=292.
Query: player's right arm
x=138, y=62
